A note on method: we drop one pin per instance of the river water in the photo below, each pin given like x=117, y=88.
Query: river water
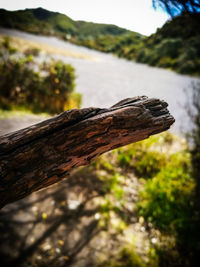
x=104, y=79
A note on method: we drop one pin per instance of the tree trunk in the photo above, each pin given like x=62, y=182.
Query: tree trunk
x=43, y=154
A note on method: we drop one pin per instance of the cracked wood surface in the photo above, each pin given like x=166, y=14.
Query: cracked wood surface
x=43, y=154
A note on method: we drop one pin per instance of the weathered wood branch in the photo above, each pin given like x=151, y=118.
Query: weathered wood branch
x=43, y=154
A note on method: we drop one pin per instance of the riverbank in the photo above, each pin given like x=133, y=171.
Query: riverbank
x=108, y=80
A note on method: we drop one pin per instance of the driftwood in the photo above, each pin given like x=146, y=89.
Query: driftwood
x=43, y=154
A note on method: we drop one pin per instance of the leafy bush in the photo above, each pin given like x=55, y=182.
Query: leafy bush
x=142, y=158
x=167, y=62
x=167, y=198
x=169, y=47
x=176, y=45
x=47, y=87
x=143, y=55
x=149, y=164
x=125, y=258
x=186, y=66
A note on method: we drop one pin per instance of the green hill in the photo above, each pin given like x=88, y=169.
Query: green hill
x=175, y=46
x=37, y=21
x=103, y=37
x=185, y=26
x=42, y=21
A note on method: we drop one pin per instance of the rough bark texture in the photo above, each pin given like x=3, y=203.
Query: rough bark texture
x=43, y=154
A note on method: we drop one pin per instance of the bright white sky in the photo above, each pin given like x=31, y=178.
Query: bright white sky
x=135, y=15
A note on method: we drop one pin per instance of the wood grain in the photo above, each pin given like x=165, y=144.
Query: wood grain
x=43, y=154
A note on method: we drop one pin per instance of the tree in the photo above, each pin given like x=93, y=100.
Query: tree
x=177, y=7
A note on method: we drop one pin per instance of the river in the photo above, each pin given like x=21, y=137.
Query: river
x=104, y=79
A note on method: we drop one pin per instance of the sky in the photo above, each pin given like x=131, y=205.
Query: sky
x=135, y=15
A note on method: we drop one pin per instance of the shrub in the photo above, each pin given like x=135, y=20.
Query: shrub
x=167, y=62
x=143, y=56
x=167, y=198
x=149, y=164
x=143, y=158
x=169, y=47
x=47, y=87
x=187, y=66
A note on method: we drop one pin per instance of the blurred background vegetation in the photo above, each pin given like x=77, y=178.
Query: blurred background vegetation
x=25, y=83
x=135, y=206
x=175, y=46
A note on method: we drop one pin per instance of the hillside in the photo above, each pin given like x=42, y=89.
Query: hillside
x=103, y=37
x=175, y=46
x=42, y=21
x=36, y=21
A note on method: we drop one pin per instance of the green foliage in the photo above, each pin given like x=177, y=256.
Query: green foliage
x=175, y=46
x=47, y=22
x=149, y=164
x=167, y=198
x=167, y=62
x=125, y=258
x=96, y=29
x=113, y=185
x=5, y=48
x=46, y=87
x=37, y=20
x=165, y=201
x=169, y=47
x=142, y=158
x=170, y=201
x=185, y=27
x=144, y=163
